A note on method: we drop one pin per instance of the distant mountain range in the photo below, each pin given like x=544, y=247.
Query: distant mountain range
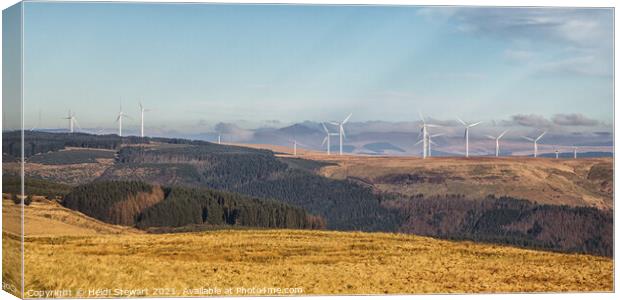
x=391, y=138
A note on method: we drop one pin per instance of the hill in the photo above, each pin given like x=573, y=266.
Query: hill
x=581, y=182
x=313, y=262
x=134, y=203
x=48, y=218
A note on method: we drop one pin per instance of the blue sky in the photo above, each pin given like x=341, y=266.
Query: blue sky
x=198, y=64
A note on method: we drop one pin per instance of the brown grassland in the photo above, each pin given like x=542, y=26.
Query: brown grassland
x=60, y=255
x=581, y=182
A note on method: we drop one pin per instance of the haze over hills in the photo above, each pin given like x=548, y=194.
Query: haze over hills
x=402, y=137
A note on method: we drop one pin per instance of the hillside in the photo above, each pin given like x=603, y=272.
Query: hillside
x=48, y=218
x=135, y=203
x=581, y=182
x=537, y=203
x=318, y=262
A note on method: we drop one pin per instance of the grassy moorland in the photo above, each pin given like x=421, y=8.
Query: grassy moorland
x=319, y=262
x=67, y=250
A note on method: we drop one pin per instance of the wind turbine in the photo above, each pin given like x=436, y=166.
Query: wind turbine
x=430, y=142
x=142, y=111
x=467, y=126
x=425, y=137
x=535, y=142
x=341, y=133
x=557, y=153
x=72, y=120
x=497, y=141
x=295, y=143
x=38, y=122
x=219, y=139
x=327, y=138
x=119, y=119
x=574, y=152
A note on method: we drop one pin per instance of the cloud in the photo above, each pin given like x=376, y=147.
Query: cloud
x=234, y=133
x=519, y=55
x=531, y=120
x=584, y=34
x=573, y=120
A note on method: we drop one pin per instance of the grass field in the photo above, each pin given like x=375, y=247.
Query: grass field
x=317, y=262
x=71, y=251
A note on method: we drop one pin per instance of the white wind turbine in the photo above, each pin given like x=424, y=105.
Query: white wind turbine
x=497, y=141
x=119, y=119
x=295, y=143
x=72, y=120
x=425, y=135
x=574, y=152
x=535, y=142
x=341, y=133
x=557, y=153
x=467, y=126
x=430, y=142
x=142, y=111
x=327, y=138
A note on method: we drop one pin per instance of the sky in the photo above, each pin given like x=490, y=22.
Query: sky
x=197, y=65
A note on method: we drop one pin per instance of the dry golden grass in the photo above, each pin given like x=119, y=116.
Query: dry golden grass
x=319, y=262
x=48, y=218
x=67, y=250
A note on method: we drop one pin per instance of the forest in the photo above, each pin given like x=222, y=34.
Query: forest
x=110, y=201
x=344, y=204
x=510, y=221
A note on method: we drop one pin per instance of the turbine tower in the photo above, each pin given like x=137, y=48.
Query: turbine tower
x=430, y=142
x=295, y=143
x=535, y=142
x=142, y=111
x=72, y=120
x=119, y=119
x=327, y=138
x=425, y=137
x=497, y=141
x=341, y=133
x=557, y=153
x=574, y=152
x=467, y=126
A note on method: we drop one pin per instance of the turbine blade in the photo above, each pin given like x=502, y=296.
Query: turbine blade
x=490, y=136
x=325, y=128
x=528, y=138
x=324, y=141
x=334, y=123
x=541, y=135
x=347, y=118
x=462, y=122
x=472, y=125
x=422, y=117
x=419, y=142
x=438, y=134
x=501, y=135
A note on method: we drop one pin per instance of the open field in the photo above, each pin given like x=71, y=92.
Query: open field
x=581, y=182
x=318, y=262
x=61, y=256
